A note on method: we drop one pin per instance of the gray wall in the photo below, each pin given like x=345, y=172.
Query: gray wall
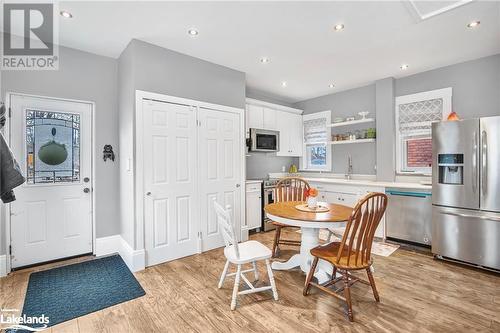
x=386, y=129
x=89, y=77
x=259, y=165
x=476, y=85
x=168, y=72
x=344, y=104
x=267, y=97
x=126, y=102
x=476, y=93
x=151, y=68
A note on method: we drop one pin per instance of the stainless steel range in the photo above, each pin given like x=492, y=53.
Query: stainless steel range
x=466, y=191
x=269, y=187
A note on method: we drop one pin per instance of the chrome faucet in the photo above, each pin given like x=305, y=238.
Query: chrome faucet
x=348, y=175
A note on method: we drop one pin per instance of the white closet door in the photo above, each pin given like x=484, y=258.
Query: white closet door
x=219, y=169
x=171, y=198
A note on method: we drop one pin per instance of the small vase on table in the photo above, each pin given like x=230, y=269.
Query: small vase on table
x=312, y=201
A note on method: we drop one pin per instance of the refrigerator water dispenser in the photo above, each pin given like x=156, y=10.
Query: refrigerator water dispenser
x=451, y=169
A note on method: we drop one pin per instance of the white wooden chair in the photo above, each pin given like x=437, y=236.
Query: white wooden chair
x=240, y=254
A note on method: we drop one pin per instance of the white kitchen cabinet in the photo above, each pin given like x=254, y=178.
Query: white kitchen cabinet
x=269, y=119
x=253, y=207
x=290, y=127
x=287, y=121
x=297, y=137
x=284, y=133
x=255, y=116
x=261, y=117
x=347, y=199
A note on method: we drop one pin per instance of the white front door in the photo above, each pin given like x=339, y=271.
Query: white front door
x=52, y=216
x=171, y=199
x=219, y=170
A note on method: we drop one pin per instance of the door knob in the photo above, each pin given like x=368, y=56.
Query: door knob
x=148, y=193
x=86, y=179
x=238, y=185
x=86, y=190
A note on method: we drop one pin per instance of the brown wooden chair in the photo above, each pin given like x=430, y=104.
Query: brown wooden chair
x=288, y=189
x=353, y=252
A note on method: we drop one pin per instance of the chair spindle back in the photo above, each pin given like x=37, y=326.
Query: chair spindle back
x=226, y=226
x=360, y=229
x=291, y=189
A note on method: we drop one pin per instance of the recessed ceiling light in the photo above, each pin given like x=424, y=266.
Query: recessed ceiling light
x=264, y=60
x=473, y=24
x=338, y=27
x=65, y=14
x=193, y=32
x=403, y=67
x=331, y=85
x=284, y=84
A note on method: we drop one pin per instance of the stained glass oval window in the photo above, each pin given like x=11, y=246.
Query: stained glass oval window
x=52, y=147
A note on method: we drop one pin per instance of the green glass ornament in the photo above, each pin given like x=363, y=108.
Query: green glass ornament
x=52, y=152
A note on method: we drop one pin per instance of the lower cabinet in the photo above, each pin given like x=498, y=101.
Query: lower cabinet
x=348, y=195
x=347, y=199
x=253, y=218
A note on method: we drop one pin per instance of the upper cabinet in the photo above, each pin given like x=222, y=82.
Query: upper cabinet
x=261, y=117
x=287, y=121
x=290, y=128
x=270, y=119
x=254, y=116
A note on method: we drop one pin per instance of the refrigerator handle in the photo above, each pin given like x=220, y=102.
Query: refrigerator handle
x=474, y=163
x=482, y=217
x=484, y=162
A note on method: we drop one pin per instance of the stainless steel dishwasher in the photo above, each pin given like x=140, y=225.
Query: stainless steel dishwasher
x=409, y=215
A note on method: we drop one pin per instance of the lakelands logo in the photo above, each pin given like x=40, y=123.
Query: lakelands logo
x=31, y=324
x=29, y=36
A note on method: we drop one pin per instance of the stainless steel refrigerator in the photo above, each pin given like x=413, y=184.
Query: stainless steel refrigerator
x=466, y=191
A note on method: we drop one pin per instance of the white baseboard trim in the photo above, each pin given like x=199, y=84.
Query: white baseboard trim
x=108, y=245
x=135, y=259
x=3, y=265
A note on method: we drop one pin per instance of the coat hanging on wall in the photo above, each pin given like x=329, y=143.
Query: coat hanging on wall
x=2, y=115
x=10, y=172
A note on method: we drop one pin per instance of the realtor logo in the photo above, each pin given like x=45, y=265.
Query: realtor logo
x=29, y=36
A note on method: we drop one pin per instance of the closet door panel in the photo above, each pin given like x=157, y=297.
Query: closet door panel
x=170, y=181
x=219, y=170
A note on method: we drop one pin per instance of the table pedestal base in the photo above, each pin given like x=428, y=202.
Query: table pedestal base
x=309, y=240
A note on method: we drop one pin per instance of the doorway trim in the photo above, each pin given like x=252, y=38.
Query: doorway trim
x=8, y=133
x=138, y=166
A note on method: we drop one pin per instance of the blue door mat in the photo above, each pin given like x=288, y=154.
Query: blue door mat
x=68, y=292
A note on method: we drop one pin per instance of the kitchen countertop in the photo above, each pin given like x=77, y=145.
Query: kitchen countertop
x=415, y=186
x=254, y=181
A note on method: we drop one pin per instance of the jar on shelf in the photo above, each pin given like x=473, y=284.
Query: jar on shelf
x=371, y=133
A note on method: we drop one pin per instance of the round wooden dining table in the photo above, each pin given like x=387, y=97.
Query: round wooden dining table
x=310, y=223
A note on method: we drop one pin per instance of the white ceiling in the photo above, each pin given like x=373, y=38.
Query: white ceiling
x=297, y=37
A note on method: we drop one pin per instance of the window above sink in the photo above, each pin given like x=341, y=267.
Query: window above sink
x=317, y=153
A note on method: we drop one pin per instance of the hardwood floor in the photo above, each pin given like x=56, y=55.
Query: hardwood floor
x=417, y=293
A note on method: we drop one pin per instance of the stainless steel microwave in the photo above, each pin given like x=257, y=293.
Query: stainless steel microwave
x=264, y=140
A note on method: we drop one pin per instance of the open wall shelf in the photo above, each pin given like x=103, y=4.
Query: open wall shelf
x=352, y=122
x=344, y=142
